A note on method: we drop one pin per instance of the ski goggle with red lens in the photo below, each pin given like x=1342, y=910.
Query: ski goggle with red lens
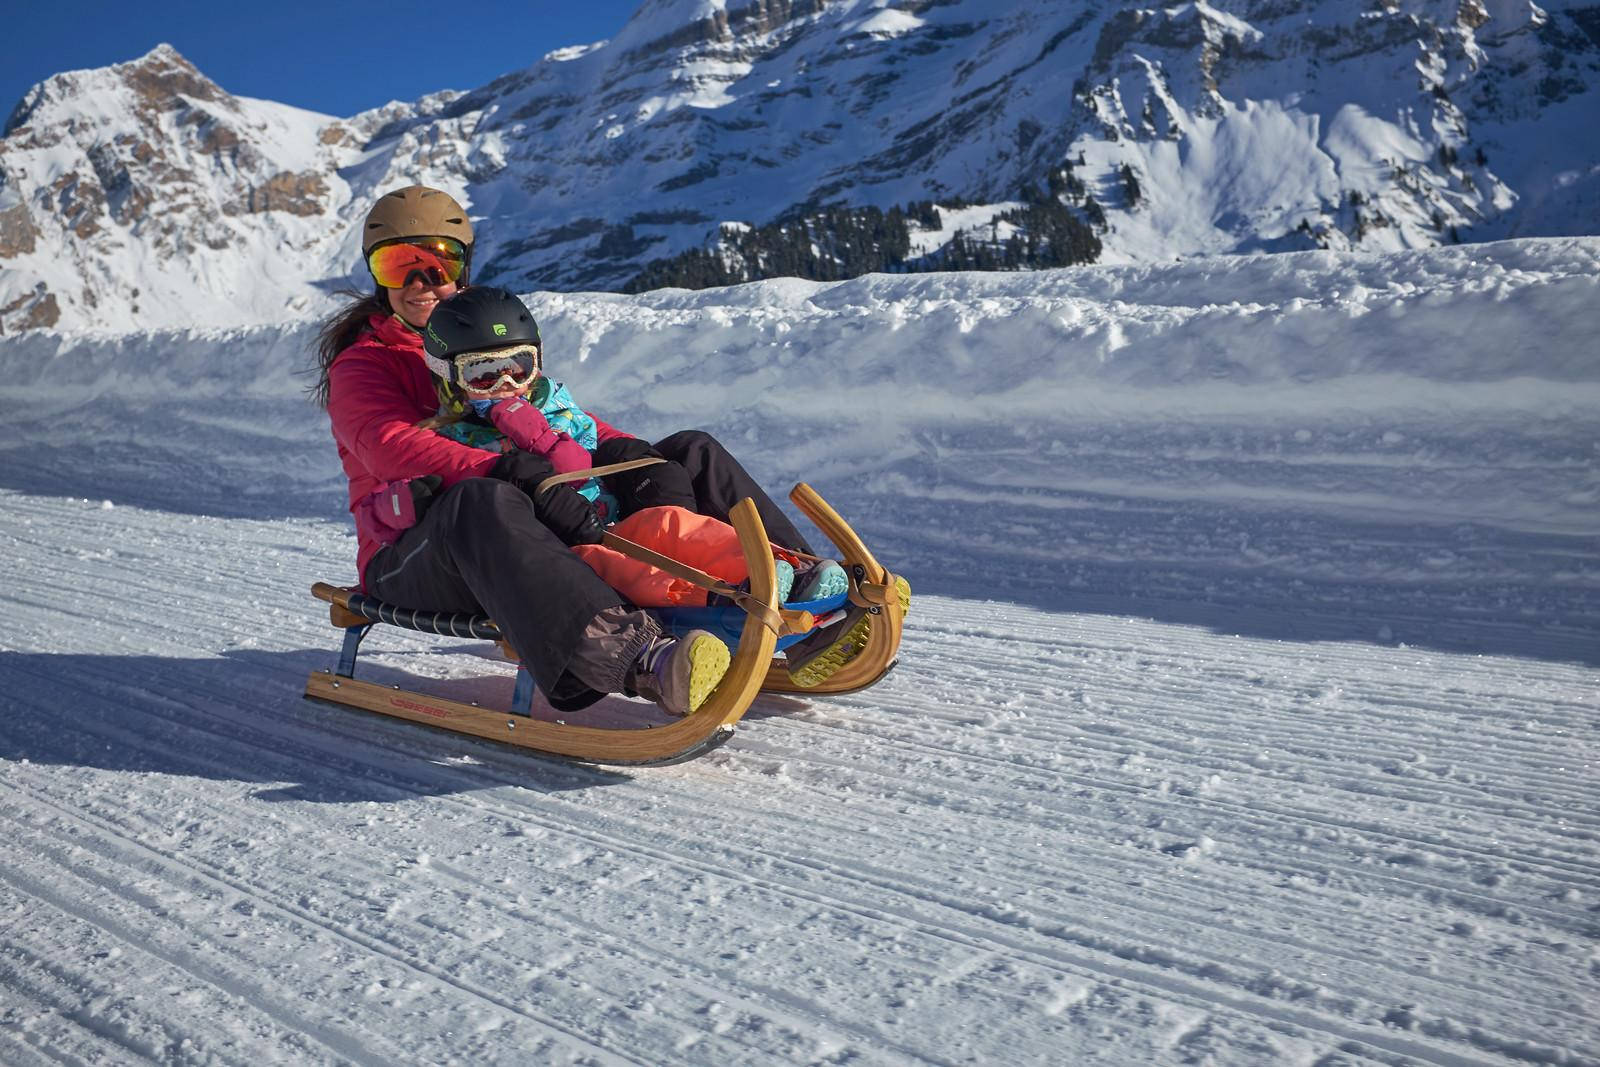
x=500, y=372
x=436, y=260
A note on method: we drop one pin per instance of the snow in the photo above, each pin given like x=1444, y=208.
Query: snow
x=1246, y=711
x=888, y=22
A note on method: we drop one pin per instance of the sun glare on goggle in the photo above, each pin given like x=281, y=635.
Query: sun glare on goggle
x=503, y=371
x=436, y=260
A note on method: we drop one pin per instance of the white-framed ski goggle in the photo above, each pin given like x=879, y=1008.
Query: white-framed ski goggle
x=498, y=372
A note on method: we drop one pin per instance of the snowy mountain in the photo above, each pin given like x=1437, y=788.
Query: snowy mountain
x=1246, y=713
x=713, y=140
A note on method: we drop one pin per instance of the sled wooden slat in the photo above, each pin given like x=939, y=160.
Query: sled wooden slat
x=338, y=598
x=703, y=728
x=588, y=743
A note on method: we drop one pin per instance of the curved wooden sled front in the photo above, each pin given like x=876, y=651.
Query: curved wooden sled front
x=871, y=585
x=712, y=722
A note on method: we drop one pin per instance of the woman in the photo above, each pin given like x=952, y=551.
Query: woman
x=486, y=542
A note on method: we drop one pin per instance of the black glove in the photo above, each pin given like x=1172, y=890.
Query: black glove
x=423, y=491
x=522, y=469
x=658, y=485
x=569, y=514
x=561, y=507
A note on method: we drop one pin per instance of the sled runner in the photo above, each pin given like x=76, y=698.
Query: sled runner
x=755, y=627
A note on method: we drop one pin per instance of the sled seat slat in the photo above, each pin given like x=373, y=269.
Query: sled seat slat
x=350, y=608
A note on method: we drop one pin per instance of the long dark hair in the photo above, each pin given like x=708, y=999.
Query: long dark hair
x=340, y=331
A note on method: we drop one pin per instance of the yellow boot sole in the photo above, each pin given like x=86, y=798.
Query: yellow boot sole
x=708, y=662
x=847, y=647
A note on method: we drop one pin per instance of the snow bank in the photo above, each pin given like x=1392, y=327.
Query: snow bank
x=1054, y=381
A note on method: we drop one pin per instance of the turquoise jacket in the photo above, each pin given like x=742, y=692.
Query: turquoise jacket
x=565, y=416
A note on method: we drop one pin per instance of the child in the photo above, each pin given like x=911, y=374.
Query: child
x=484, y=350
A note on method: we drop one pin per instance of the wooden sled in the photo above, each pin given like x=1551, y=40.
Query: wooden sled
x=703, y=729
x=879, y=598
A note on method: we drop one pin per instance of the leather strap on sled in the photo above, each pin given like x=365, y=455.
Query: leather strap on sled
x=778, y=621
x=598, y=472
x=772, y=619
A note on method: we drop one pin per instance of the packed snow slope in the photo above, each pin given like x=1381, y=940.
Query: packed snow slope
x=1247, y=711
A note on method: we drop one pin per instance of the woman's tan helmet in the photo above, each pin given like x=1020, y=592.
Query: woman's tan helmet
x=415, y=211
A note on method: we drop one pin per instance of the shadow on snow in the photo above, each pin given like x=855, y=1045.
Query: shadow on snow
x=241, y=717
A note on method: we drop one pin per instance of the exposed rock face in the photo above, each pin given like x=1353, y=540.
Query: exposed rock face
x=1415, y=108
x=79, y=204
x=17, y=232
x=1191, y=129
x=121, y=187
x=297, y=194
x=36, y=310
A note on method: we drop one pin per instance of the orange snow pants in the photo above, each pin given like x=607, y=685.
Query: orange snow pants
x=700, y=541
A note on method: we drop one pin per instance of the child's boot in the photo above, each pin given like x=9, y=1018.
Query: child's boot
x=783, y=575
x=679, y=673
x=819, y=655
x=821, y=580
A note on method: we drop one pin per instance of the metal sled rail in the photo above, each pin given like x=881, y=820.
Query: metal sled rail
x=708, y=726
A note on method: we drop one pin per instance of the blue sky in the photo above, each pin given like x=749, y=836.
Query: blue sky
x=337, y=57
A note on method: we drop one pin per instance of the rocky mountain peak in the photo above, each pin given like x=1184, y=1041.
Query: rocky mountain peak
x=719, y=140
x=159, y=81
x=162, y=76
x=149, y=160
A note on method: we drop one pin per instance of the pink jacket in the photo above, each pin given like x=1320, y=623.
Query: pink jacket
x=378, y=390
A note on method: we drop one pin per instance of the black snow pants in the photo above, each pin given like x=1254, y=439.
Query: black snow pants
x=480, y=549
x=720, y=483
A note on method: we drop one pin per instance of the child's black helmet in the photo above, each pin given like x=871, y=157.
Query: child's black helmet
x=477, y=319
